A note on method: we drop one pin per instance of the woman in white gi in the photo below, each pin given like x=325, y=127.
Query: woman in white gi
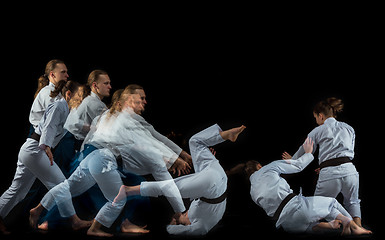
x=207, y=186
x=296, y=213
x=117, y=134
x=336, y=151
x=35, y=156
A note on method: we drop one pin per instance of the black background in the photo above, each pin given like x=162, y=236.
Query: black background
x=264, y=72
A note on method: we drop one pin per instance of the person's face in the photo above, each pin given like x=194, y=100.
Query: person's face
x=103, y=86
x=135, y=102
x=78, y=96
x=319, y=118
x=59, y=73
x=142, y=95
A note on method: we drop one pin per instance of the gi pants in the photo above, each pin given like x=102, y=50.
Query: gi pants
x=342, y=179
x=301, y=214
x=98, y=167
x=32, y=163
x=209, y=181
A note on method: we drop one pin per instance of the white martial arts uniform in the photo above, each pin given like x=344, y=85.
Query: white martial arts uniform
x=116, y=135
x=336, y=139
x=40, y=104
x=209, y=181
x=300, y=214
x=79, y=120
x=175, y=148
x=33, y=161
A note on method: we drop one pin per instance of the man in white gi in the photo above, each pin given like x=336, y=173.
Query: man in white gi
x=79, y=120
x=55, y=71
x=296, y=213
x=207, y=186
x=117, y=134
x=35, y=156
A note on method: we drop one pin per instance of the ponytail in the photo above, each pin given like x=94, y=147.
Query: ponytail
x=43, y=79
x=329, y=107
x=63, y=86
x=41, y=83
x=121, y=96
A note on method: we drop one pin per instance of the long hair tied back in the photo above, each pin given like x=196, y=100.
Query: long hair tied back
x=43, y=79
x=329, y=107
x=63, y=86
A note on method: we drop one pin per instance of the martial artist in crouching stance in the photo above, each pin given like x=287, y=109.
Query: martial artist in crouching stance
x=296, y=213
x=207, y=186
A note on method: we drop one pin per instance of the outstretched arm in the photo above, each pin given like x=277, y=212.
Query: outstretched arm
x=297, y=165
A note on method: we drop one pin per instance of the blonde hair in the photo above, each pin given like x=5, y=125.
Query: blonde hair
x=121, y=96
x=75, y=102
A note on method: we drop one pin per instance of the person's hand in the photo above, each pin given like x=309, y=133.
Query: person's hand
x=179, y=167
x=49, y=154
x=317, y=170
x=308, y=145
x=186, y=157
x=286, y=156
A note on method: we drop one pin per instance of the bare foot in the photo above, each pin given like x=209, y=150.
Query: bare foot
x=129, y=227
x=126, y=191
x=98, y=233
x=43, y=226
x=121, y=195
x=357, y=220
x=81, y=224
x=357, y=230
x=232, y=134
x=95, y=230
x=353, y=229
x=34, y=215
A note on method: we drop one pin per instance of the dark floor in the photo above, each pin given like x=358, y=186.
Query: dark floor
x=242, y=220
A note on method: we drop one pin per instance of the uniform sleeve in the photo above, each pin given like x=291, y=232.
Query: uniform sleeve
x=50, y=126
x=93, y=110
x=39, y=105
x=313, y=135
x=175, y=148
x=294, y=165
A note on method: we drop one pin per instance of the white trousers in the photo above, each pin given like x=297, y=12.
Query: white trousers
x=301, y=214
x=348, y=186
x=32, y=163
x=208, y=181
x=98, y=167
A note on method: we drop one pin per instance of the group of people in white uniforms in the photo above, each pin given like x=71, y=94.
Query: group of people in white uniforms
x=296, y=213
x=53, y=100
x=117, y=134
x=122, y=133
